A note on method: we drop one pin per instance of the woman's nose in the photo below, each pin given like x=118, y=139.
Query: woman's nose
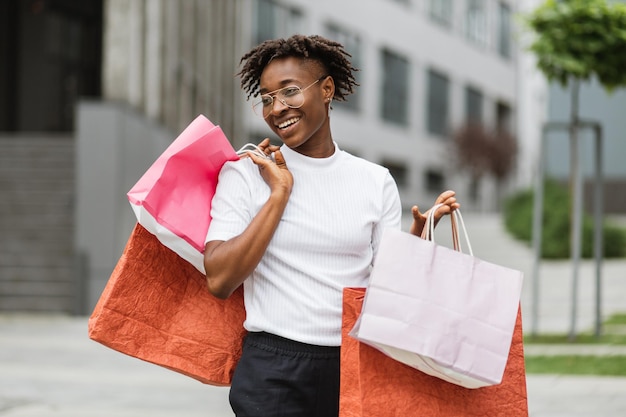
x=281, y=103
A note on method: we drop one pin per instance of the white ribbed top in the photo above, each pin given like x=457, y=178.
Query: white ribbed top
x=325, y=241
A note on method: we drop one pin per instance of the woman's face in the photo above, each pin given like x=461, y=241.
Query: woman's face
x=305, y=129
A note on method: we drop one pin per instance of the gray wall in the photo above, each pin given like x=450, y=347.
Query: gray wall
x=610, y=111
x=115, y=146
x=595, y=104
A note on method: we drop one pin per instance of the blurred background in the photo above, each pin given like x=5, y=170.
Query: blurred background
x=92, y=91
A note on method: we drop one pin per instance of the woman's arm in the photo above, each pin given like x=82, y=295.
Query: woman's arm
x=229, y=263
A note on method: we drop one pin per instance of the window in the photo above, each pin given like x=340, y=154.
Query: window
x=473, y=105
x=503, y=117
x=398, y=171
x=434, y=181
x=275, y=21
x=441, y=11
x=438, y=103
x=504, y=31
x=476, y=21
x=352, y=43
x=395, y=88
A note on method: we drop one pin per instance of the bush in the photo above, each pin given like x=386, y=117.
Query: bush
x=518, y=219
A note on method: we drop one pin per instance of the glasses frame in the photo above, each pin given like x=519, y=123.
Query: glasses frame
x=273, y=95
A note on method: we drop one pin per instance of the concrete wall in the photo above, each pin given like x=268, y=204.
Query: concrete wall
x=596, y=105
x=115, y=146
x=607, y=109
x=172, y=60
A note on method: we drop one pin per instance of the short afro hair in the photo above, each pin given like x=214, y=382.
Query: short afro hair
x=330, y=54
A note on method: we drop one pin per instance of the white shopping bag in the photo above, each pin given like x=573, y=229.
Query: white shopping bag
x=444, y=312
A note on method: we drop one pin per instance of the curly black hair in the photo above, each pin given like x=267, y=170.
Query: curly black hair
x=330, y=54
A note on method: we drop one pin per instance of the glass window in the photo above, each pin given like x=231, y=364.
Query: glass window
x=275, y=21
x=441, y=11
x=434, y=181
x=395, y=88
x=352, y=43
x=398, y=171
x=503, y=117
x=504, y=31
x=476, y=21
x=438, y=103
x=473, y=105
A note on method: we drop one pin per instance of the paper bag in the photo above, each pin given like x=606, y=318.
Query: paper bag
x=446, y=313
x=156, y=307
x=173, y=198
x=374, y=385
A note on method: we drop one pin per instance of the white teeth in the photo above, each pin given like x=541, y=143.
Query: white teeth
x=289, y=122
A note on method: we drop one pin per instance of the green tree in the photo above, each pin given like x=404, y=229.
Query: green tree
x=578, y=39
x=574, y=41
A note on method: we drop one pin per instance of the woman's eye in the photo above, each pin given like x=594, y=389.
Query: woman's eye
x=291, y=91
x=267, y=100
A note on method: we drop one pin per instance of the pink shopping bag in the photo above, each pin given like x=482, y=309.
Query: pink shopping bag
x=172, y=199
x=444, y=312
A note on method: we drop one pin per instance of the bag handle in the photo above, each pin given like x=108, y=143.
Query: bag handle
x=428, y=232
x=251, y=147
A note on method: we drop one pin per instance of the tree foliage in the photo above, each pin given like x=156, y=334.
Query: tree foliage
x=579, y=39
x=518, y=220
x=481, y=151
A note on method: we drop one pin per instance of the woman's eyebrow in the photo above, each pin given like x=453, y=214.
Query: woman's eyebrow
x=284, y=83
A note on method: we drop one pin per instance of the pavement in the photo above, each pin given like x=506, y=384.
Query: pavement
x=49, y=367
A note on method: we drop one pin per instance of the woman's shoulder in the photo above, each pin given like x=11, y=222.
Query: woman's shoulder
x=363, y=164
x=243, y=167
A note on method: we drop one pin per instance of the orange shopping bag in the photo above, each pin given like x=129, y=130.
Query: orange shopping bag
x=156, y=307
x=374, y=385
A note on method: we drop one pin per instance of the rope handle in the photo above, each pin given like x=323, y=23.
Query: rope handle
x=254, y=149
x=456, y=218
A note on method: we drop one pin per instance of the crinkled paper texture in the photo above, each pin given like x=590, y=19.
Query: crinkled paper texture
x=156, y=307
x=374, y=385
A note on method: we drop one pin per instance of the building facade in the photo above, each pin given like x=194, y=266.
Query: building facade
x=427, y=68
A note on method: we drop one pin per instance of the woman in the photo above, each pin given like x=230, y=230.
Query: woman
x=297, y=228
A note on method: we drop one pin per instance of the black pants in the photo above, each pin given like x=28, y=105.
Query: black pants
x=277, y=377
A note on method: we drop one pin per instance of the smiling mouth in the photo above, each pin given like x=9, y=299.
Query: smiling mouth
x=287, y=123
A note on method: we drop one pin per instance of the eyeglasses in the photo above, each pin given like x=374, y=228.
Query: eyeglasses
x=291, y=96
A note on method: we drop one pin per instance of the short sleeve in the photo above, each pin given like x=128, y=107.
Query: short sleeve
x=230, y=208
x=391, y=216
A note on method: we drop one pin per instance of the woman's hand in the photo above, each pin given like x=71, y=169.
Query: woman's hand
x=447, y=198
x=274, y=172
x=267, y=148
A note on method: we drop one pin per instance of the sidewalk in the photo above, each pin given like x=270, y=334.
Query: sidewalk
x=49, y=367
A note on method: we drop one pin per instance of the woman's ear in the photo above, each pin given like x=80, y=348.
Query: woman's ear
x=328, y=88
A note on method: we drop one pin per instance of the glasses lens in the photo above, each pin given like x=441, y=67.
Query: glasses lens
x=291, y=96
x=259, y=108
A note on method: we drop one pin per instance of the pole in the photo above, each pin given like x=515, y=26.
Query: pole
x=598, y=230
x=576, y=179
x=537, y=226
x=537, y=231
